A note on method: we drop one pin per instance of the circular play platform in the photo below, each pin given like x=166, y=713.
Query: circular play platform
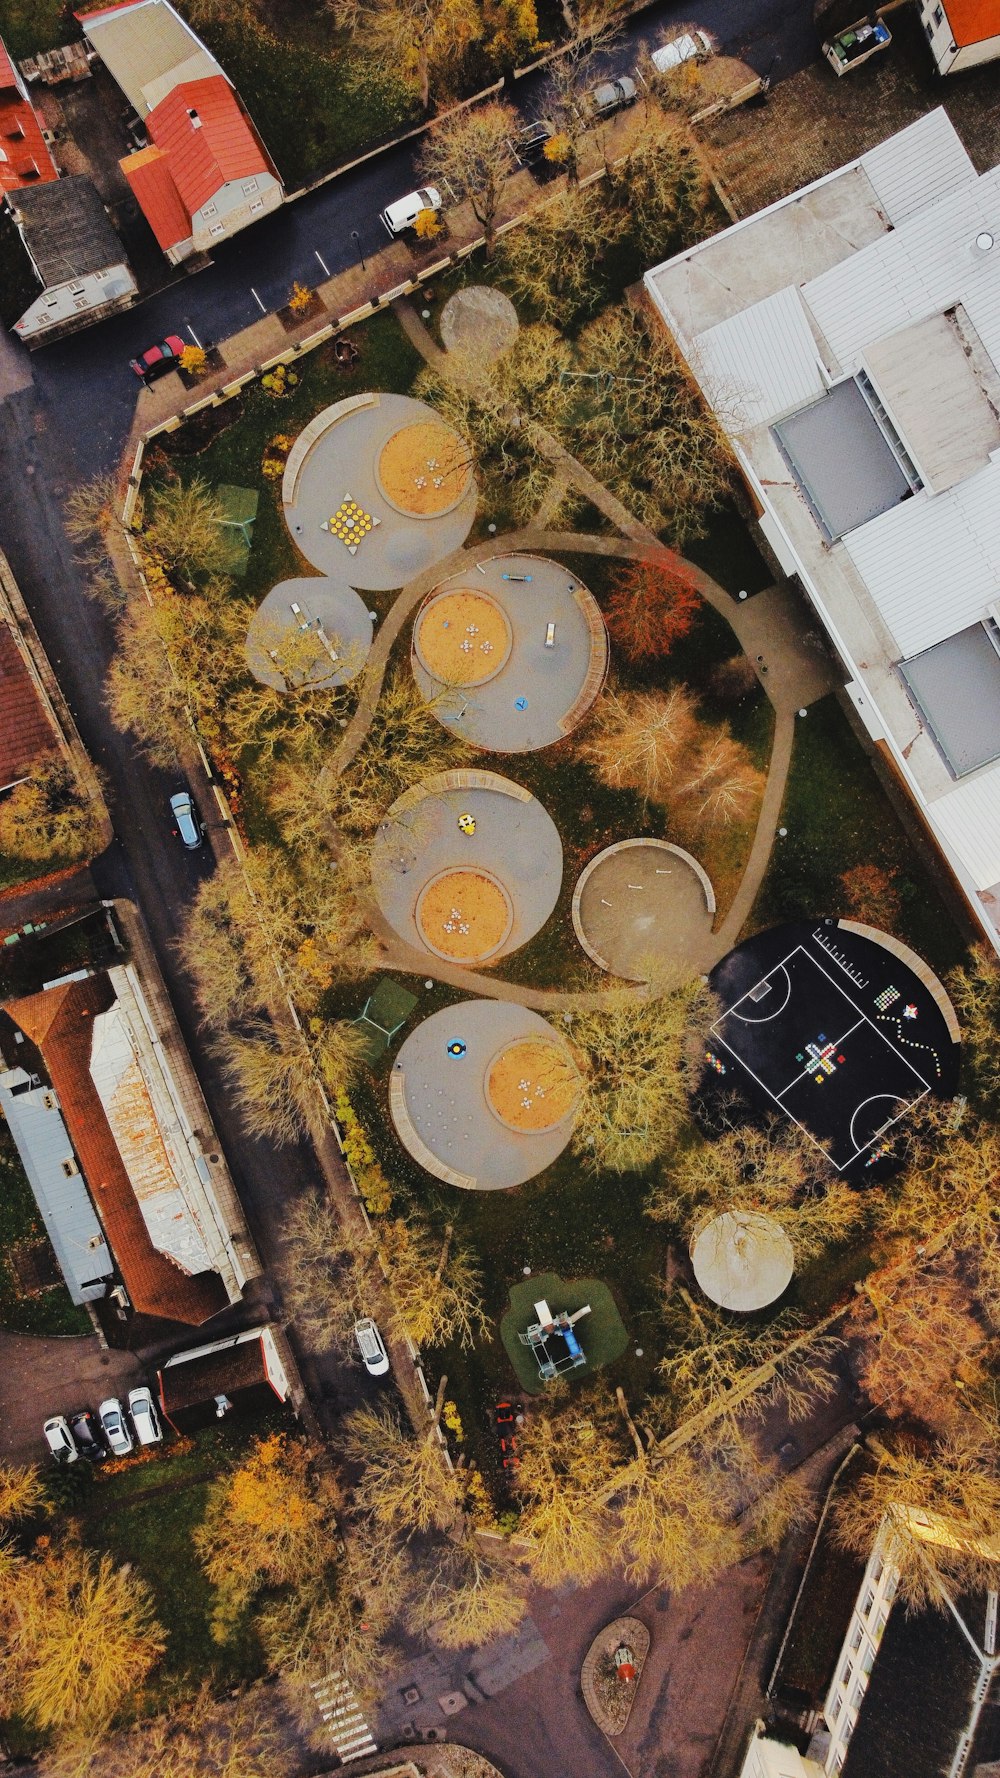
x=532, y=1085
x=455, y=1096
x=312, y=631
x=352, y=494
x=555, y=665
x=462, y=637
x=480, y=321
x=641, y=903
x=424, y=469
x=467, y=865
x=742, y=1260
x=838, y=1027
x=464, y=915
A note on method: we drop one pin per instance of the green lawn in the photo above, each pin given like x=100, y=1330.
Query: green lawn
x=838, y=816
x=47, y=1311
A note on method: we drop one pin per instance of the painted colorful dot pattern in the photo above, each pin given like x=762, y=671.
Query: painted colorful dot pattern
x=351, y=523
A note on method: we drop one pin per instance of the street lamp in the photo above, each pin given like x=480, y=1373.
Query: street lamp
x=356, y=238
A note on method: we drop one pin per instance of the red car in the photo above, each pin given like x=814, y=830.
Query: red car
x=505, y=1419
x=158, y=359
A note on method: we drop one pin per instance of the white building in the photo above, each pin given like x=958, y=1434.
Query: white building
x=961, y=33
x=75, y=254
x=848, y=339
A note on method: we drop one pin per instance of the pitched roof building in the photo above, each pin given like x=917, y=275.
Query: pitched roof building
x=848, y=339
x=961, y=33
x=91, y=1039
x=75, y=254
x=25, y=728
x=205, y=173
x=24, y=156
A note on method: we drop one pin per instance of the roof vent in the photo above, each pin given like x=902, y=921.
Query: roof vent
x=985, y=242
x=195, y=119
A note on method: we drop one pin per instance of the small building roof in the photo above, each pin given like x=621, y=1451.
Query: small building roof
x=46, y=1152
x=972, y=21
x=208, y=139
x=24, y=157
x=147, y=48
x=67, y=230
x=59, y=1021
x=25, y=730
x=148, y=173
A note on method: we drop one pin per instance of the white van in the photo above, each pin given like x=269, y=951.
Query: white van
x=687, y=48
x=371, y=1347
x=404, y=212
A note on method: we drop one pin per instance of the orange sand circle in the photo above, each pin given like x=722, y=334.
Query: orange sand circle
x=462, y=637
x=424, y=469
x=532, y=1085
x=464, y=914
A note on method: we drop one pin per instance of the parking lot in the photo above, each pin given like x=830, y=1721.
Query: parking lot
x=39, y=1377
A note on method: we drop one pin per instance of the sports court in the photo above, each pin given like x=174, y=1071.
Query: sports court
x=838, y=1049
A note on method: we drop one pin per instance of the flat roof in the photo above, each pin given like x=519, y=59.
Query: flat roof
x=957, y=687
x=842, y=460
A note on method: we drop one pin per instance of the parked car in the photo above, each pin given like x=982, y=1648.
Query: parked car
x=404, y=212
x=87, y=1435
x=158, y=359
x=528, y=145
x=371, y=1347
x=690, y=46
x=855, y=45
x=115, y=1428
x=144, y=1417
x=505, y=1419
x=60, y=1440
x=187, y=821
x=608, y=97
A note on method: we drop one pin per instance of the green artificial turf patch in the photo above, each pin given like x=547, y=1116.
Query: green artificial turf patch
x=601, y=1334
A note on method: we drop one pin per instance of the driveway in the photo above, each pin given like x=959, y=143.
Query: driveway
x=40, y=1376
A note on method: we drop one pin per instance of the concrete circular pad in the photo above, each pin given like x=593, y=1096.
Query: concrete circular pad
x=742, y=1260
x=641, y=902
x=335, y=461
x=480, y=321
x=439, y=1102
x=328, y=610
x=557, y=663
x=513, y=840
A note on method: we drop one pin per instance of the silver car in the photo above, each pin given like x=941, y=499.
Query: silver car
x=60, y=1440
x=187, y=824
x=112, y=1417
x=144, y=1417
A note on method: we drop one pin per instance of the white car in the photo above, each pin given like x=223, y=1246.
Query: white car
x=112, y=1417
x=144, y=1417
x=60, y=1440
x=371, y=1347
x=187, y=824
x=686, y=48
x=404, y=212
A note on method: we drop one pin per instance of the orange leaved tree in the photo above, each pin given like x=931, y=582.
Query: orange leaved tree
x=654, y=604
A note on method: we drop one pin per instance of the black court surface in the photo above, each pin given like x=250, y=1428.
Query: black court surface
x=836, y=1032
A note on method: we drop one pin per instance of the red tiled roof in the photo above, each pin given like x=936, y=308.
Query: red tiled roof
x=59, y=1022
x=223, y=145
x=25, y=158
x=148, y=173
x=973, y=21
x=214, y=1373
x=24, y=726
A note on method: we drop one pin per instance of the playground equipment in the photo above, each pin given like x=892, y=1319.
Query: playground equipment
x=553, y=1342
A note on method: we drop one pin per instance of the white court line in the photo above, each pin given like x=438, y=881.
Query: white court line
x=731, y=1011
x=809, y=1068
x=862, y=1019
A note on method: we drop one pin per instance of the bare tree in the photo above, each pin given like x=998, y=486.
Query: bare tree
x=183, y=528
x=273, y=1073
x=639, y=1058
x=405, y=1486
x=918, y=1338
x=636, y=740
x=471, y=152
x=553, y=258
x=436, y=1286
x=465, y=1594
x=48, y=817
x=975, y=992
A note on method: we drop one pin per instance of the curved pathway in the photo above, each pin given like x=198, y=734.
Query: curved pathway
x=770, y=628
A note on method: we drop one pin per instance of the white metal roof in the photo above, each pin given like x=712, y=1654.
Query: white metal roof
x=147, y=46
x=969, y=819
x=42, y=1141
x=932, y=564
x=928, y=264
x=760, y=364
x=918, y=165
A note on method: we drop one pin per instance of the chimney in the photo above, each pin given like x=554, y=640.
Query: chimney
x=195, y=119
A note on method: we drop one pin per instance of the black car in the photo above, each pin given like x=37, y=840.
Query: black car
x=87, y=1435
x=528, y=146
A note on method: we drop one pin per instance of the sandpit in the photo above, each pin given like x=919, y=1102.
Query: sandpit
x=424, y=470
x=464, y=914
x=462, y=637
x=532, y=1085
